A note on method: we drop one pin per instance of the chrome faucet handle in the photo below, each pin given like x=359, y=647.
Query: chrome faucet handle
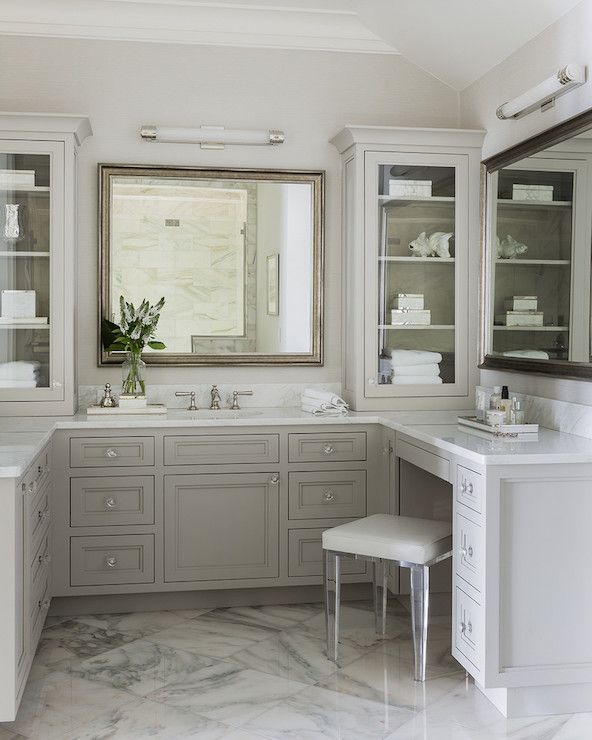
x=192, y=406
x=215, y=405
x=235, y=394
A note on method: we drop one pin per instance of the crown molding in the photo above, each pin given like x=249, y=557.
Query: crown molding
x=194, y=22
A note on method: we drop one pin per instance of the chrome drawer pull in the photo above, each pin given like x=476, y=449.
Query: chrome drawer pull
x=111, y=453
x=466, y=487
x=43, y=514
x=328, y=495
x=44, y=604
x=328, y=449
x=464, y=551
x=275, y=479
x=466, y=627
x=111, y=562
x=110, y=502
x=45, y=558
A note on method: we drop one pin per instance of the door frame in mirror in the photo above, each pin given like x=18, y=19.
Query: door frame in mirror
x=316, y=178
x=550, y=137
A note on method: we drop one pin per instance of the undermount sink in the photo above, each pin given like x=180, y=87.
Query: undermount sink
x=225, y=413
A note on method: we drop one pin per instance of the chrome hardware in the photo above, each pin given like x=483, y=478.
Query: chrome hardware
x=111, y=561
x=466, y=487
x=32, y=487
x=45, y=558
x=192, y=406
x=56, y=384
x=387, y=450
x=328, y=495
x=40, y=470
x=328, y=449
x=470, y=551
x=371, y=381
x=111, y=453
x=466, y=627
x=235, y=394
x=44, y=604
x=43, y=514
x=215, y=395
x=275, y=478
x=110, y=502
x=466, y=551
x=470, y=488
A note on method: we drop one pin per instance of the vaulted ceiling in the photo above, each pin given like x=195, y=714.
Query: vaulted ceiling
x=457, y=41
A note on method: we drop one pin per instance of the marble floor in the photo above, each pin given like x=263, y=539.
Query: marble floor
x=254, y=673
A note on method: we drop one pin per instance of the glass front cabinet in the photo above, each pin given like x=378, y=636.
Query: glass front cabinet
x=411, y=241
x=37, y=258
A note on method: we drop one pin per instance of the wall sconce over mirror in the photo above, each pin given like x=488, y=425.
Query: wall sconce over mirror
x=537, y=254
x=212, y=137
x=237, y=255
x=544, y=94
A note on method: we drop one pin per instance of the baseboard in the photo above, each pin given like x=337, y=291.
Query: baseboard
x=148, y=602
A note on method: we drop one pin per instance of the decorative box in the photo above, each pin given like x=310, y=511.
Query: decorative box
x=17, y=178
x=520, y=318
x=521, y=303
x=18, y=304
x=532, y=192
x=406, y=316
x=410, y=188
x=409, y=300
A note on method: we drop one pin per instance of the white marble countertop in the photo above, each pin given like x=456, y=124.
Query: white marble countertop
x=23, y=437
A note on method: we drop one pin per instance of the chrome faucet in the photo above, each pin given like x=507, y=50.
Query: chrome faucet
x=215, y=405
x=235, y=394
x=192, y=406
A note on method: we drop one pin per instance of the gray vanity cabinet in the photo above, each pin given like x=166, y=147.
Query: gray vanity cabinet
x=221, y=526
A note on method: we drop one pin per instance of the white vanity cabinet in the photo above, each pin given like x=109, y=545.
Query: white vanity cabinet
x=37, y=262
x=24, y=573
x=405, y=187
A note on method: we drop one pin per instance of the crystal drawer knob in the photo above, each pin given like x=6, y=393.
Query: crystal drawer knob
x=328, y=495
x=466, y=628
x=111, y=562
x=470, y=488
x=371, y=381
x=275, y=479
x=328, y=449
x=111, y=453
x=43, y=514
x=466, y=552
x=45, y=558
x=44, y=604
x=32, y=487
x=110, y=502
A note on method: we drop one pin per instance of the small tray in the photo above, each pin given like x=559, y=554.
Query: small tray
x=151, y=408
x=523, y=432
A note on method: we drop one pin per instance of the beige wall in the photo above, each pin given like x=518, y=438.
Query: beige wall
x=566, y=41
x=310, y=95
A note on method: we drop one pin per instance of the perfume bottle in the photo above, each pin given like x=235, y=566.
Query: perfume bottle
x=516, y=412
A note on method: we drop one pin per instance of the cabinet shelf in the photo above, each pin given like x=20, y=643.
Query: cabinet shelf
x=431, y=260
x=437, y=327
x=25, y=189
x=385, y=200
x=530, y=328
x=23, y=254
x=24, y=326
x=535, y=203
x=554, y=263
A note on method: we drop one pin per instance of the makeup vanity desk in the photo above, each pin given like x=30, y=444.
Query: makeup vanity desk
x=204, y=503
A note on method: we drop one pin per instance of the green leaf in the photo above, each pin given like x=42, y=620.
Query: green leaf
x=157, y=345
x=109, y=333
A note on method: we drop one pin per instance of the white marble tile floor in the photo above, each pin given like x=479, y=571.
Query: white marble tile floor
x=256, y=673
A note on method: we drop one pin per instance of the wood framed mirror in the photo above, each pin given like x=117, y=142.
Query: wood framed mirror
x=537, y=254
x=236, y=253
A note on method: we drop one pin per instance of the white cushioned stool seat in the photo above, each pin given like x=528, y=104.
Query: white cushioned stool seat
x=402, y=538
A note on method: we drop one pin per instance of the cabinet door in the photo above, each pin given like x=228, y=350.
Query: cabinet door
x=221, y=527
x=32, y=290
x=416, y=238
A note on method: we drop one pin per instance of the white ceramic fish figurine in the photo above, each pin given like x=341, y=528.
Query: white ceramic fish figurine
x=435, y=245
x=508, y=248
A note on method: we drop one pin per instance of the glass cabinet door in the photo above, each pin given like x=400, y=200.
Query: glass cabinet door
x=29, y=366
x=419, y=258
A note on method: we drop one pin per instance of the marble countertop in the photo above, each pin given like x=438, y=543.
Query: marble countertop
x=23, y=437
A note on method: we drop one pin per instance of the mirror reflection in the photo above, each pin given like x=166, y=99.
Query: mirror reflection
x=236, y=255
x=539, y=255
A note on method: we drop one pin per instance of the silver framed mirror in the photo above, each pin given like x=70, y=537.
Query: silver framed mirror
x=536, y=274
x=238, y=255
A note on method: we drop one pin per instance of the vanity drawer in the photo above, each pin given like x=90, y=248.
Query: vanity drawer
x=469, y=488
x=111, y=452
x=428, y=461
x=37, y=475
x=112, y=501
x=221, y=449
x=340, y=446
x=469, y=555
x=39, y=567
x=37, y=616
x=111, y=560
x=38, y=519
x=327, y=494
x=305, y=554
x=468, y=630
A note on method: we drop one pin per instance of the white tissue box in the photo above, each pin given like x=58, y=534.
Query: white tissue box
x=521, y=303
x=406, y=316
x=520, y=318
x=18, y=304
x=409, y=300
x=532, y=192
x=410, y=188
x=132, y=402
x=17, y=178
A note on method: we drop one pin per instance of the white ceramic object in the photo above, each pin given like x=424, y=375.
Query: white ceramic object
x=508, y=248
x=436, y=245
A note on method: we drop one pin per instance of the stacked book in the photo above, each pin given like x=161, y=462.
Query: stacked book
x=408, y=310
x=521, y=310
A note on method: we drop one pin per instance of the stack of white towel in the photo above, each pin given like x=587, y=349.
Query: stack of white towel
x=323, y=402
x=416, y=367
x=18, y=374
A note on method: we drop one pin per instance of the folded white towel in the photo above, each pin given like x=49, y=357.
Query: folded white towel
x=414, y=357
x=420, y=380
x=8, y=383
x=325, y=396
x=533, y=354
x=19, y=370
x=323, y=409
x=424, y=370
